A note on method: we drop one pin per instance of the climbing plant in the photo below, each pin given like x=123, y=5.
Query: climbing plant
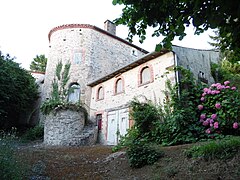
x=59, y=94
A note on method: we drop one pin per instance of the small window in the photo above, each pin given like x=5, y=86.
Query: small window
x=119, y=86
x=134, y=53
x=77, y=59
x=145, y=75
x=100, y=93
x=74, y=93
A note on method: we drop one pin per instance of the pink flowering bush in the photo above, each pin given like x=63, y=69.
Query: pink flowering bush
x=220, y=109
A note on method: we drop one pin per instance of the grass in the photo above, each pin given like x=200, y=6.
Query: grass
x=220, y=149
x=10, y=166
x=35, y=133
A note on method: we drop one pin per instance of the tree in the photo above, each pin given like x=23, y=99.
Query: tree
x=226, y=54
x=39, y=63
x=17, y=91
x=170, y=17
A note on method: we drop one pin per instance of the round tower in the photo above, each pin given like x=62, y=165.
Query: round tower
x=68, y=44
x=92, y=53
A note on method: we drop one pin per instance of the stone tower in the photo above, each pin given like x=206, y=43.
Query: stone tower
x=92, y=52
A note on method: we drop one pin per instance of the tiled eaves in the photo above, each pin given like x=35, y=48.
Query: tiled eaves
x=132, y=65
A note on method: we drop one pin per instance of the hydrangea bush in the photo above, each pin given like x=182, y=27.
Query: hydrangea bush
x=220, y=109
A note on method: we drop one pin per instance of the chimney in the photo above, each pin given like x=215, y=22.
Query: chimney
x=110, y=27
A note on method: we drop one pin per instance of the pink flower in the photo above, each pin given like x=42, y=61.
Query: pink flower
x=208, y=131
x=218, y=105
x=204, y=94
x=200, y=107
x=217, y=92
x=226, y=83
x=211, y=121
x=213, y=92
x=209, y=91
x=202, y=99
x=233, y=88
x=235, y=125
x=227, y=87
x=202, y=116
x=214, y=116
x=205, y=123
x=215, y=125
x=213, y=85
x=205, y=90
x=219, y=87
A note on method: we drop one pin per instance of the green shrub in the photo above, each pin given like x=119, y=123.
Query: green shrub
x=220, y=109
x=18, y=91
x=175, y=122
x=145, y=115
x=35, y=133
x=10, y=168
x=59, y=95
x=219, y=149
x=141, y=154
x=179, y=117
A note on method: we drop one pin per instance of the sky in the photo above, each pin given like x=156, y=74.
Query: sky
x=25, y=24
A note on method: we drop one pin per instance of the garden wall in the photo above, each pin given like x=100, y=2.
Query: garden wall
x=65, y=128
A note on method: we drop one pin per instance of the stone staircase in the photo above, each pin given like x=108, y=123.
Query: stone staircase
x=87, y=137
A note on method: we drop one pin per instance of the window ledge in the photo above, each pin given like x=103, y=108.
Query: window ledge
x=142, y=84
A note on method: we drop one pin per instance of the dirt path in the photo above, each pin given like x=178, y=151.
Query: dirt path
x=98, y=162
x=95, y=162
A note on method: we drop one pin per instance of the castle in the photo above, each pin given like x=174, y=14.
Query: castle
x=107, y=72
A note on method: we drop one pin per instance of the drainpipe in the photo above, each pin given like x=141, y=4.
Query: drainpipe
x=176, y=72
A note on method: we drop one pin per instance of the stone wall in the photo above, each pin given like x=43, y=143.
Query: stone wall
x=62, y=127
x=152, y=91
x=95, y=51
x=197, y=61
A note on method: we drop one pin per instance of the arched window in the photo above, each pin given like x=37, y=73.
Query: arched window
x=100, y=93
x=74, y=93
x=145, y=75
x=119, y=86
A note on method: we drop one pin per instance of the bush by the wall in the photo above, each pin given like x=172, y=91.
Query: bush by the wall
x=35, y=133
x=220, y=149
x=141, y=154
x=220, y=109
x=18, y=91
x=10, y=167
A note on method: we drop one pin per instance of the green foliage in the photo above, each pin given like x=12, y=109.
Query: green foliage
x=65, y=79
x=10, y=168
x=227, y=55
x=144, y=115
x=127, y=140
x=141, y=154
x=220, y=149
x=39, y=63
x=58, y=99
x=179, y=123
x=226, y=70
x=58, y=70
x=18, y=92
x=35, y=133
x=175, y=122
x=170, y=17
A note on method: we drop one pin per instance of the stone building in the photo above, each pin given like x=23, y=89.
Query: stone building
x=108, y=72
